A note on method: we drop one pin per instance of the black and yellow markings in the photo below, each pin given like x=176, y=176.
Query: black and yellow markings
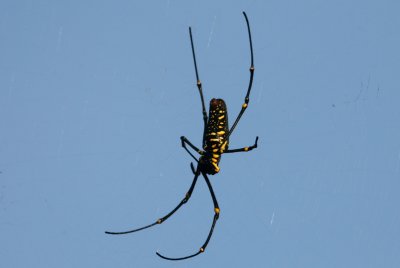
x=215, y=158
x=223, y=147
x=217, y=134
x=216, y=167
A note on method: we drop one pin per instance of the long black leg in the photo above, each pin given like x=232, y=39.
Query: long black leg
x=244, y=149
x=161, y=220
x=205, y=117
x=216, y=216
x=185, y=141
x=246, y=99
x=192, y=167
x=216, y=212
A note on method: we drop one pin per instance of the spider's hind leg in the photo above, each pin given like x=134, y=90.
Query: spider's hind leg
x=161, y=220
x=216, y=216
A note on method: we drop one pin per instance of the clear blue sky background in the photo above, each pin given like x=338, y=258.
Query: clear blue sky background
x=94, y=96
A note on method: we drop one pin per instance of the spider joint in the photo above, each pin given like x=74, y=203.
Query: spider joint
x=187, y=196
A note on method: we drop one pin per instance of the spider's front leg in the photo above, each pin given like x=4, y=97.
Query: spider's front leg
x=199, y=86
x=247, y=97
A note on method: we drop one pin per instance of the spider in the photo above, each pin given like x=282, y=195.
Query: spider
x=215, y=143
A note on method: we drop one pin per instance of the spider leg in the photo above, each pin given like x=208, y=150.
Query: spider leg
x=185, y=141
x=199, y=86
x=192, y=168
x=246, y=99
x=216, y=216
x=161, y=220
x=244, y=149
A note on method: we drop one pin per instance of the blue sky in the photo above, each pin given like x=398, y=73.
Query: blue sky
x=94, y=96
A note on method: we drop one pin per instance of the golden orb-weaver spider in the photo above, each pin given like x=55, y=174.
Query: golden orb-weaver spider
x=215, y=143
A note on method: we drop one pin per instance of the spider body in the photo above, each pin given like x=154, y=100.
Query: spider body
x=216, y=139
x=215, y=142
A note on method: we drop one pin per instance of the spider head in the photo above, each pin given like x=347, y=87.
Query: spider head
x=217, y=104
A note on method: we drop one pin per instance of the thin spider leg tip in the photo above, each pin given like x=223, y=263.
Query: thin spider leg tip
x=119, y=233
x=245, y=16
x=133, y=231
x=112, y=233
x=178, y=259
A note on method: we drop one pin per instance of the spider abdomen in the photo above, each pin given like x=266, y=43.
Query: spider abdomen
x=216, y=140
